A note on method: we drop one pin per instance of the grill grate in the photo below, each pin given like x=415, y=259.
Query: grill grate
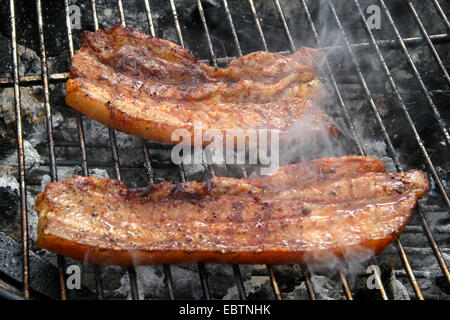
x=427, y=39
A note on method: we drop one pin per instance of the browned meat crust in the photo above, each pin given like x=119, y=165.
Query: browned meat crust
x=344, y=207
x=149, y=87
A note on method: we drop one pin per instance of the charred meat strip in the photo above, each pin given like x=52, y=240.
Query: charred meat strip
x=149, y=87
x=344, y=207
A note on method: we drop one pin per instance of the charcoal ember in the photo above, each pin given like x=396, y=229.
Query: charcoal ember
x=324, y=289
x=159, y=154
x=220, y=276
x=5, y=56
x=217, y=161
x=299, y=293
x=226, y=270
x=250, y=287
x=150, y=281
x=9, y=199
x=32, y=108
x=94, y=132
x=34, y=130
x=194, y=165
x=441, y=281
x=11, y=218
x=165, y=172
x=33, y=162
x=288, y=276
x=429, y=282
x=54, y=18
x=99, y=173
x=29, y=61
x=194, y=171
x=43, y=274
x=254, y=290
x=152, y=284
x=398, y=290
x=108, y=15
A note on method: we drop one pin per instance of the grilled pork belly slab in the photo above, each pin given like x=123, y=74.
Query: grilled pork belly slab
x=344, y=207
x=149, y=87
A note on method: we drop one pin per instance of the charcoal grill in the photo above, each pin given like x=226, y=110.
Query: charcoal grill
x=295, y=23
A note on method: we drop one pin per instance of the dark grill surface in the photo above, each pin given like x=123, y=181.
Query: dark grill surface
x=389, y=92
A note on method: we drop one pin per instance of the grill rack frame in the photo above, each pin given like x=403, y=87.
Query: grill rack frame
x=45, y=78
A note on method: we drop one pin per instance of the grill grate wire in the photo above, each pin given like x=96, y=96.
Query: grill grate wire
x=20, y=155
x=45, y=78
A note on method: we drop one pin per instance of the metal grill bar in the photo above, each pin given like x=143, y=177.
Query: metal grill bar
x=236, y=270
x=80, y=129
x=204, y=280
x=345, y=286
x=244, y=173
x=409, y=270
x=10, y=293
x=293, y=48
x=429, y=42
x=208, y=37
x=364, y=85
x=148, y=166
x=285, y=26
x=399, y=167
x=309, y=286
x=48, y=120
x=169, y=282
x=20, y=154
x=273, y=282
x=442, y=124
x=434, y=246
x=133, y=283
x=441, y=12
x=148, y=11
x=404, y=109
x=233, y=30
x=201, y=267
x=116, y=163
x=347, y=290
x=414, y=41
x=427, y=158
x=112, y=136
x=239, y=283
x=333, y=81
x=177, y=22
x=121, y=13
x=258, y=25
x=339, y=95
x=79, y=118
x=147, y=161
x=114, y=153
x=47, y=108
x=98, y=282
x=400, y=99
x=378, y=280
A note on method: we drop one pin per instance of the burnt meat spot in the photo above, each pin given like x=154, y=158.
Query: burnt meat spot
x=306, y=211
